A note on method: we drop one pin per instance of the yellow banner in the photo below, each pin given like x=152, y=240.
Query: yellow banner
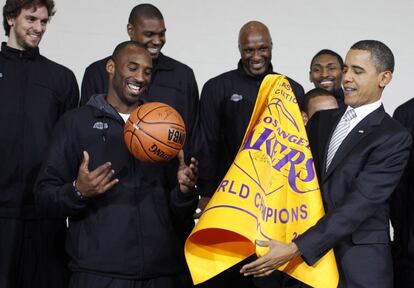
x=270, y=192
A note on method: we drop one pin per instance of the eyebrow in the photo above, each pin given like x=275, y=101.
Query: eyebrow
x=154, y=32
x=354, y=67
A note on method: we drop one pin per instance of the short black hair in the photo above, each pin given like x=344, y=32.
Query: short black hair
x=328, y=52
x=144, y=11
x=12, y=9
x=315, y=92
x=380, y=53
x=121, y=46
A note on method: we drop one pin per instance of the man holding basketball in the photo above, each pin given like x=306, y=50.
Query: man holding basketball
x=34, y=93
x=172, y=82
x=123, y=213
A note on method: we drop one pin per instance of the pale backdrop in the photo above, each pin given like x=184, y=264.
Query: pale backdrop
x=203, y=34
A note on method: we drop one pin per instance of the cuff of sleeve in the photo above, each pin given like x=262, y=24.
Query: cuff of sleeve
x=75, y=196
x=184, y=198
x=305, y=251
x=206, y=188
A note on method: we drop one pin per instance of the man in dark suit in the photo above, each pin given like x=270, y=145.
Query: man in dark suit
x=356, y=180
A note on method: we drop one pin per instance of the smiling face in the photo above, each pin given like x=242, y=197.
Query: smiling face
x=255, y=45
x=150, y=32
x=129, y=77
x=27, y=29
x=362, y=83
x=326, y=72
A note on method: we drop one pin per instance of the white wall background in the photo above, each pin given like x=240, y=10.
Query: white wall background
x=203, y=34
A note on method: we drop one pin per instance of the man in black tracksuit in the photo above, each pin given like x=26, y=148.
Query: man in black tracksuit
x=123, y=213
x=226, y=105
x=172, y=82
x=34, y=93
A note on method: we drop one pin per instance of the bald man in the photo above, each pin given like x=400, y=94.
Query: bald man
x=226, y=104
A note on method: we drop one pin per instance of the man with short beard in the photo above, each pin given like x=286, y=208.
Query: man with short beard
x=34, y=93
x=122, y=211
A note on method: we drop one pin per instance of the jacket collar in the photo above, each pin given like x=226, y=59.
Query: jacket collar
x=19, y=54
x=163, y=63
x=103, y=108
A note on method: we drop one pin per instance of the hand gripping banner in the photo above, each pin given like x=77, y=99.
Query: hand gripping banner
x=271, y=191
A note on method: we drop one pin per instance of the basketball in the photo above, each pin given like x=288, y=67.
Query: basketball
x=154, y=132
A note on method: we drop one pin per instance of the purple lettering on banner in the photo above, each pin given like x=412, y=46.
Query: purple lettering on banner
x=257, y=198
x=296, y=157
x=256, y=145
x=295, y=214
x=287, y=86
x=269, y=213
x=303, y=211
x=271, y=150
x=284, y=221
x=223, y=185
x=231, y=187
x=309, y=170
x=282, y=133
x=275, y=218
x=247, y=191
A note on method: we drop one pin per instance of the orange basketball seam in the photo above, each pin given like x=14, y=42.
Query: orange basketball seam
x=153, y=109
x=158, y=122
x=168, y=123
x=143, y=148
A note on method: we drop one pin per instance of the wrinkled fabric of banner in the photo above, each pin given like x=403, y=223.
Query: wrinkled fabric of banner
x=271, y=191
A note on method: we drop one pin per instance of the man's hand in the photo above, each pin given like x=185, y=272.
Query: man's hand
x=187, y=175
x=98, y=181
x=279, y=253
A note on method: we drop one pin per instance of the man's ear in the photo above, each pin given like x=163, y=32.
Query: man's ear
x=384, y=78
x=110, y=67
x=10, y=21
x=130, y=30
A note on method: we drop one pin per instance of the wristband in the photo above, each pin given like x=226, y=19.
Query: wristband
x=76, y=190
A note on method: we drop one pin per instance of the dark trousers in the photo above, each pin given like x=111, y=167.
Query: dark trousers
x=32, y=254
x=89, y=280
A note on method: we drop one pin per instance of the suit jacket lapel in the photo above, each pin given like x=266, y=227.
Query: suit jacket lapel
x=359, y=132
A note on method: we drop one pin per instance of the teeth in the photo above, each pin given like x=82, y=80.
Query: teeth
x=257, y=65
x=153, y=50
x=326, y=82
x=34, y=36
x=134, y=88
